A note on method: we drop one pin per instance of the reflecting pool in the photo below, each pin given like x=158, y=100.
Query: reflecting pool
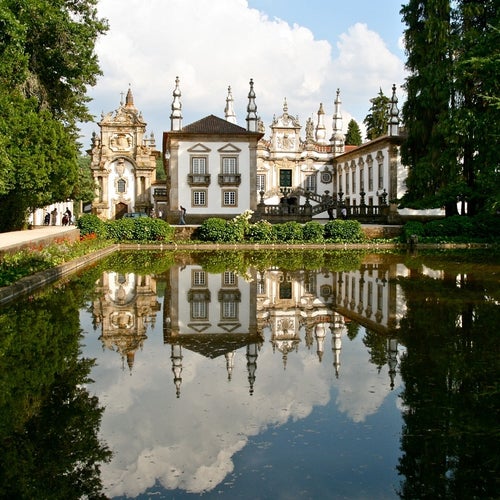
x=255, y=375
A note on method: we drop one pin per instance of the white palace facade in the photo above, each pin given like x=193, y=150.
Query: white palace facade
x=216, y=168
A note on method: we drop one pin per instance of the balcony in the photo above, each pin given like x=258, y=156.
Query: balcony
x=198, y=179
x=229, y=179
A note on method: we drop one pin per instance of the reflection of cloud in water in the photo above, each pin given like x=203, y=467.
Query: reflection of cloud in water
x=361, y=390
x=188, y=443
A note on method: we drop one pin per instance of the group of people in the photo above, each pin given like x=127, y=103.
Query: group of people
x=51, y=218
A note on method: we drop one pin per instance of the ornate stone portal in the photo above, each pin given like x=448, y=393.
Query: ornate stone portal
x=123, y=163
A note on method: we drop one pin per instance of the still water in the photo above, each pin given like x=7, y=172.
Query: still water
x=255, y=375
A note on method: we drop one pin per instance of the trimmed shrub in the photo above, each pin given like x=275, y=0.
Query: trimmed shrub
x=343, y=231
x=141, y=229
x=148, y=229
x=91, y=224
x=312, y=232
x=288, y=232
x=213, y=229
x=120, y=230
x=487, y=225
x=457, y=225
x=261, y=231
x=412, y=228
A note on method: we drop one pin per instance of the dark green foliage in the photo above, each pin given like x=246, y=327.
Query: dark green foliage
x=353, y=135
x=451, y=226
x=312, y=232
x=412, y=228
x=47, y=60
x=148, y=229
x=262, y=231
x=343, y=231
x=91, y=224
x=142, y=229
x=450, y=117
x=459, y=229
x=377, y=119
x=120, y=230
x=288, y=232
x=213, y=229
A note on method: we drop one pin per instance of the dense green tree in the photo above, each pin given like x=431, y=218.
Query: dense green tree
x=378, y=117
x=47, y=60
x=451, y=121
x=353, y=135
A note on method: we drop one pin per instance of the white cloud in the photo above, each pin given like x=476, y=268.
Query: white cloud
x=211, y=45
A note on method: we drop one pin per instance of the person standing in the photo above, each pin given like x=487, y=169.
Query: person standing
x=53, y=215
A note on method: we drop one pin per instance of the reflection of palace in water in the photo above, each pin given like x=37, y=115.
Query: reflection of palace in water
x=217, y=314
x=126, y=305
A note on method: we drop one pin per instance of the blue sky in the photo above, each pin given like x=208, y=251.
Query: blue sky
x=297, y=50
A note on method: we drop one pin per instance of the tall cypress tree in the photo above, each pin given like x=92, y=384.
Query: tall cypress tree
x=450, y=121
x=426, y=110
x=476, y=118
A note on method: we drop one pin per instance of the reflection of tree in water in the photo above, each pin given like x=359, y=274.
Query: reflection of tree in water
x=352, y=330
x=377, y=348
x=450, y=371
x=49, y=423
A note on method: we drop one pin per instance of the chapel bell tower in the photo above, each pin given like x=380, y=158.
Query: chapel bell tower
x=123, y=163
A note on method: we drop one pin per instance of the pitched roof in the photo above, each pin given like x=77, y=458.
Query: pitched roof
x=213, y=125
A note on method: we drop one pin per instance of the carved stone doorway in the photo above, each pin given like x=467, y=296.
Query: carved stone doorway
x=120, y=210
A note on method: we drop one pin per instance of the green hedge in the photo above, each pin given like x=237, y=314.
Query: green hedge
x=142, y=229
x=458, y=228
x=343, y=231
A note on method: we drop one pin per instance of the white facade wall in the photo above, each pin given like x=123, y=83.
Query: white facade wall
x=213, y=152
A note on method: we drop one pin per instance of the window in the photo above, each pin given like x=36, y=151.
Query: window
x=198, y=165
x=198, y=278
x=285, y=178
x=353, y=174
x=121, y=185
x=229, y=198
x=311, y=183
x=261, y=182
x=362, y=180
x=229, y=310
x=285, y=290
x=229, y=165
x=347, y=183
x=199, y=198
x=199, y=309
x=370, y=178
x=229, y=278
x=380, y=176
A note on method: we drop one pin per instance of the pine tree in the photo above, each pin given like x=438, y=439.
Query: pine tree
x=378, y=117
x=353, y=136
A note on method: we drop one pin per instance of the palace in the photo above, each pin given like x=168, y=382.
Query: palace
x=216, y=168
